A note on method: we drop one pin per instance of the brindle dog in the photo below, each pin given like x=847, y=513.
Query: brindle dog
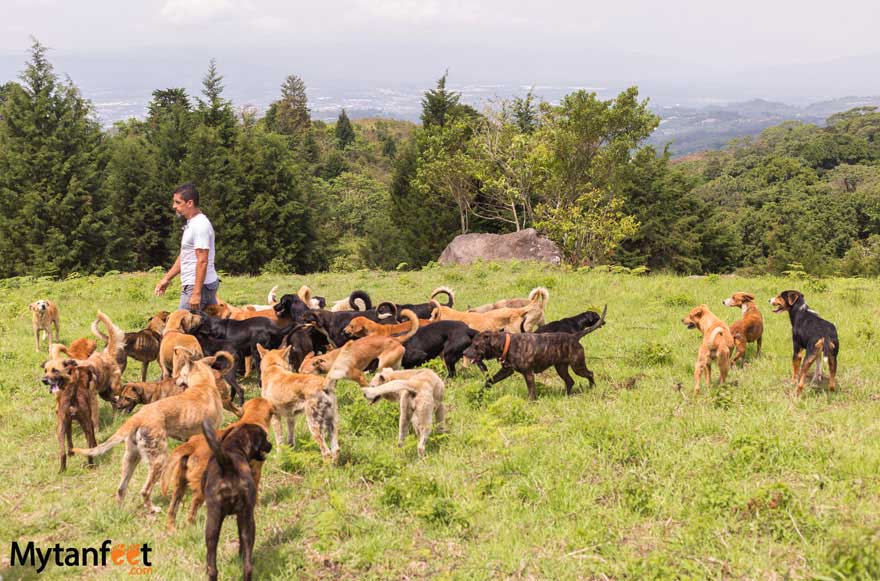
x=530, y=353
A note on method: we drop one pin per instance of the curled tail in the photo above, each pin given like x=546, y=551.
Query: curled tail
x=393, y=386
x=115, y=337
x=272, y=298
x=363, y=297
x=128, y=428
x=540, y=295
x=227, y=466
x=444, y=290
x=414, y=325
x=96, y=331
x=596, y=325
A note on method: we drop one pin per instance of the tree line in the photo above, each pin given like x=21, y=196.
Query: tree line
x=290, y=194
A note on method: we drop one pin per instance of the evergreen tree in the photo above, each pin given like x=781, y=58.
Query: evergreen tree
x=217, y=112
x=290, y=114
x=439, y=104
x=169, y=123
x=344, y=131
x=51, y=214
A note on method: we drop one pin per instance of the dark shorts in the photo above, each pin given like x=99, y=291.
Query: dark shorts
x=209, y=295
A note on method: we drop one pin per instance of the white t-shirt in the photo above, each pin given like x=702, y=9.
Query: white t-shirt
x=197, y=234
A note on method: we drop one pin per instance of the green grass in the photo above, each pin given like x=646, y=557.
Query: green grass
x=633, y=479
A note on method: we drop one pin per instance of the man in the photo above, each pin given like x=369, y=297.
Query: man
x=195, y=263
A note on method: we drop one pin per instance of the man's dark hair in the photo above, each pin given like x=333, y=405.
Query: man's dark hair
x=188, y=192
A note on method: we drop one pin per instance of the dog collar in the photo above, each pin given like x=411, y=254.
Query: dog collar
x=506, y=347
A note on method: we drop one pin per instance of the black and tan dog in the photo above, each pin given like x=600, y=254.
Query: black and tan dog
x=530, y=353
x=229, y=488
x=810, y=333
x=143, y=345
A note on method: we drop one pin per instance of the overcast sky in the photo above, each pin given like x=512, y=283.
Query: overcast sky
x=742, y=33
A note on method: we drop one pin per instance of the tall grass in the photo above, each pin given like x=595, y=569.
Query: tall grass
x=633, y=479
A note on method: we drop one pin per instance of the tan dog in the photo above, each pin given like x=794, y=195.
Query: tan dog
x=175, y=335
x=350, y=360
x=81, y=348
x=509, y=319
x=183, y=357
x=419, y=392
x=717, y=344
x=749, y=329
x=226, y=311
x=180, y=416
x=298, y=393
x=188, y=461
x=44, y=315
x=107, y=374
x=363, y=327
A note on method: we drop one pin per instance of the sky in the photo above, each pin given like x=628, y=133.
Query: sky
x=743, y=33
x=701, y=46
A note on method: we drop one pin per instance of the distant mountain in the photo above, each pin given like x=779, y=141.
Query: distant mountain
x=691, y=129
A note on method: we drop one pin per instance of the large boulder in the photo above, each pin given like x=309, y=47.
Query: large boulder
x=523, y=245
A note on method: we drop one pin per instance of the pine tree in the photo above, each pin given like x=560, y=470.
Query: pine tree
x=438, y=105
x=217, y=112
x=51, y=156
x=170, y=121
x=290, y=114
x=344, y=131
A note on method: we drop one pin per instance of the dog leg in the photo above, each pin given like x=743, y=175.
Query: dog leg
x=502, y=374
x=724, y=364
x=62, y=433
x=88, y=428
x=832, y=371
x=276, y=427
x=157, y=454
x=562, y=370
x=246, y=534
x=332, y=424
x=579, y=366
x=424, y=431
x=440, y=416
x=291, y=430
x=795, y=367
x=144, y=365
x=130, y=460
x=37, y=338
x=805, y=369
x=57, y=326
x=314, y=422
x=530, y=382
x=698, y=375
x=758, y=341
x=403, y=422
x=358, y=375
x=197, y=501
x=212, y=536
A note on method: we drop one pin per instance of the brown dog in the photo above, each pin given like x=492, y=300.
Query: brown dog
x=717, y=344
x=749, y=329
x=44, y=315
x=223, y=374
x=180, y=416
x=143, y=392
x=350, y=360
x=230, y=488
x=363, y=327
x=510, y=320
x=76, y=398
x=513, y=304
x=144, y=345
x=189, y=460
x=81, y=348
x=298, y=393
x=104, y=364
x=177, y=326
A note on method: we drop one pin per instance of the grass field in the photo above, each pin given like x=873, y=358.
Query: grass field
x=633, y=479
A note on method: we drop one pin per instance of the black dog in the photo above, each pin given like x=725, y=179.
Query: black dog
x=211, y=346
x=424, y=310
x=810, y=333
x=304, y=339
x=291, y=307
x=530, y=353
x=241, y=337
x=334, y=324
x=229, y=488
x=574, y=324
x=446, y=339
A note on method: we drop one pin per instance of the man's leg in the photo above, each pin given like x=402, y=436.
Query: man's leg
x=209, y=294
x=185, y=294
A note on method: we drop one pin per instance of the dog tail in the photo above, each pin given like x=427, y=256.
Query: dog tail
x=444, y=290
x=174, y=474
x=129, y=427
x=414, y=325
x=363, y=297
x=594, y=326
x=386, y=309
x=56, y=349
x=305, y=295
x=435, y=310
x=272, y=298
x=115, y=339
x=395, y=385
x=227, y=466
x=97, y=332
x=540, y=294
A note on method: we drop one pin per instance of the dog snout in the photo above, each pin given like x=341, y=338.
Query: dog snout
x=46, y=381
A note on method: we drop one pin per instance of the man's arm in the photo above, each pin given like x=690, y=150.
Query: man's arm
x=169, y=276
x=201, y=272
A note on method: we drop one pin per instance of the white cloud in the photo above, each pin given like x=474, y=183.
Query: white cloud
x=187, y=11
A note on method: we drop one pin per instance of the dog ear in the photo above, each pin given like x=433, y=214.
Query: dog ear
x=749, y=296
x=70, y=364
x=791, y=297
x=262, y=350
x=32, y=306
